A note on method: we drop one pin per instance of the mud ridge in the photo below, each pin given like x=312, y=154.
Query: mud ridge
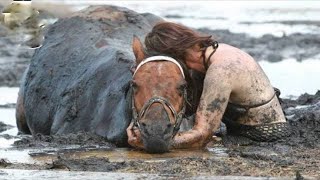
x=4, y=127
x=269, y=47
x=81, y=139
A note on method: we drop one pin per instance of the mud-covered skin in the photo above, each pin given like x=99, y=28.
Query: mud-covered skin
x=235, y=77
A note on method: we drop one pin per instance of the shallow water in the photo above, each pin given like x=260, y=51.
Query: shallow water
x=46, y=155
x=8, y=95
x=294, y=78
x=13, y=174
x=291, y=76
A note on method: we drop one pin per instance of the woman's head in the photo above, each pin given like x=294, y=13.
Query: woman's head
x=174, y=40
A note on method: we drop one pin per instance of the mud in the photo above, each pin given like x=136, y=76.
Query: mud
x=270, y=47
x=82, y=139
x=297, y=156
x=304, y=99
x=4, y=127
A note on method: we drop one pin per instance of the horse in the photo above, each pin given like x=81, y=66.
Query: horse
x=159, y=95
x=159, y=102
x=80, y=81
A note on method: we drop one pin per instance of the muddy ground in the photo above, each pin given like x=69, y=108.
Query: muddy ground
x=296, y=156
x=4, y=127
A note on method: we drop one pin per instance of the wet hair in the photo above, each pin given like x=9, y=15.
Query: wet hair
x=171, y=39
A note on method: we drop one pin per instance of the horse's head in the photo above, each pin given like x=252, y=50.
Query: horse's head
x=158, y=98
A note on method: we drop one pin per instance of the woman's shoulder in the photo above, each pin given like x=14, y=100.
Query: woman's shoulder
x=235, y=66
x=232, y=57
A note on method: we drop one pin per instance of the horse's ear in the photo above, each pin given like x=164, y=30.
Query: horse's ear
x=138, y=49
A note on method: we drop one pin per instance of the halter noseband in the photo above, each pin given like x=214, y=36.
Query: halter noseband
x=157, y=99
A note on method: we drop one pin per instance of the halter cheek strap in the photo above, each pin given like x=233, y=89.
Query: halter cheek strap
x=205, y=62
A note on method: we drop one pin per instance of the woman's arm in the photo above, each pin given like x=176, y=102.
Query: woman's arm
x=213, y=102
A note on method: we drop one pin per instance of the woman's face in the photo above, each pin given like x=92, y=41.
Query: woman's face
x=193, y=55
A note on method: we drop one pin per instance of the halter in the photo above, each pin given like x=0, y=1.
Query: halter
x=215, y=46
x=157, y=99
x=159, y=58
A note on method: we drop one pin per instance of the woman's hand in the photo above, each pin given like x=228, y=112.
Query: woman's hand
x=189, y=139
x=134, y=136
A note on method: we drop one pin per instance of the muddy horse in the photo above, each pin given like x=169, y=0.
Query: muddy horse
x=159, y=99
x=80, y=80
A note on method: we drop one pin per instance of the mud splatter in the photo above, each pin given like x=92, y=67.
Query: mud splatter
x=216, y=104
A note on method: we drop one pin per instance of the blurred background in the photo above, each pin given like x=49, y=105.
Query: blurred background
x=283, y=36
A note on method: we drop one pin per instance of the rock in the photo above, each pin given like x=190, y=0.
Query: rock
x=304, y=99
x=78, y=80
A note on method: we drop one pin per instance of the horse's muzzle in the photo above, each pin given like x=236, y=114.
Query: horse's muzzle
x=156, y=145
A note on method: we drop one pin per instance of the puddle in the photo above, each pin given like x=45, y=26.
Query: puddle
x=8, y=117
x=42, y=156
x=17, y=156
x=47, y=154
x=124, y=154
x=13, y=174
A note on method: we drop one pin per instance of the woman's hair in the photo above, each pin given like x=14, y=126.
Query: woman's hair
x=173, y=39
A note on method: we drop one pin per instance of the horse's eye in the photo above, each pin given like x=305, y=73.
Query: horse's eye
x=182, y=87
x=133, y=84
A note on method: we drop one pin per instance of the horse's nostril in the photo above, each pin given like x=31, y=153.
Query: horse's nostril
x=169, y=125
x=143, y=124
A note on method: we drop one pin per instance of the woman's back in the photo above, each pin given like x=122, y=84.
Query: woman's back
x=251, y=91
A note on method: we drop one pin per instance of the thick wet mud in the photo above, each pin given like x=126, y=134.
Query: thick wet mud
x=296, y=156
x=269, y=47
x=4, y=127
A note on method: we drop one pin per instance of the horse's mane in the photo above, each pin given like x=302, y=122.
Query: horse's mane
x=194, y=84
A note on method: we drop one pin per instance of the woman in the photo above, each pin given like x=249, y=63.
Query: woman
x=235, y=89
